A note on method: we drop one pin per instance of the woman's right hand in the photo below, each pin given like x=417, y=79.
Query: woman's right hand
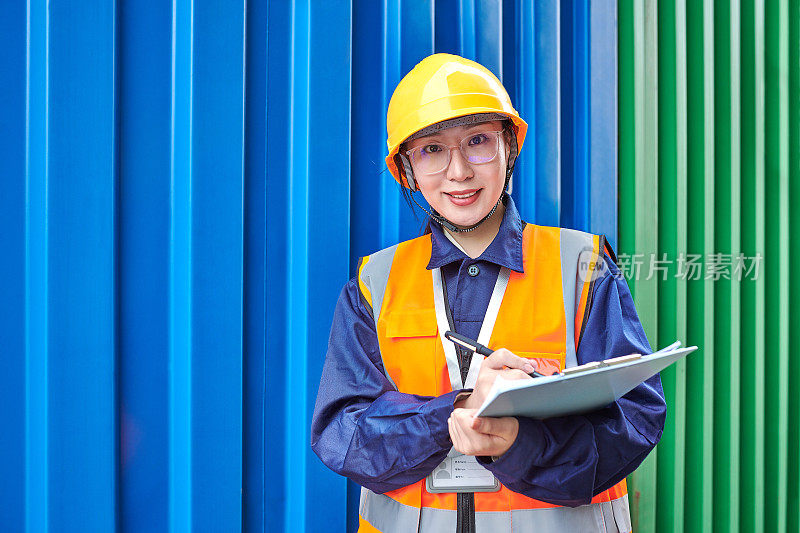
x=501, y=363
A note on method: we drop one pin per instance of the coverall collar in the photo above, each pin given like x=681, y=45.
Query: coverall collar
x=505, y=250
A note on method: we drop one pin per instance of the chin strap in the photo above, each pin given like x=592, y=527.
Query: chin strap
x=452, y=227
x=455, y=229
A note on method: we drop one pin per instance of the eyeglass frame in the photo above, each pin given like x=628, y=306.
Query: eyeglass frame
x=460, y=149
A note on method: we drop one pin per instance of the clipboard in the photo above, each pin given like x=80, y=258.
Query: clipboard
x=577, y=390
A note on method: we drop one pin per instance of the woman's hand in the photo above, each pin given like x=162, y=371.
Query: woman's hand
x=473, y=435
x=501, y=363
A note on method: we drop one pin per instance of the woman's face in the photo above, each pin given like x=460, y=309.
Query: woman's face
x=463, y=192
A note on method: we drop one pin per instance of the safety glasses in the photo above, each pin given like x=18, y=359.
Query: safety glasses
x=477, y=148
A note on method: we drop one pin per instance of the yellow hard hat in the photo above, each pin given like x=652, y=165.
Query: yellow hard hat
x=443, y=87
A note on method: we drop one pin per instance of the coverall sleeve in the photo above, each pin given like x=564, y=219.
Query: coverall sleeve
x=363, y=428
x=567, y=460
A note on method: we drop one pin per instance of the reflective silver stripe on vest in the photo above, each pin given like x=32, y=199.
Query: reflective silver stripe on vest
x=375, y=275
x=573, y=245
x=390, y=516
x=611, y=517
x=621, y=511
x=387, y=515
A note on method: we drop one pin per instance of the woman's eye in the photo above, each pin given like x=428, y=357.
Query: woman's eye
x=431, y=149
x=478, y=139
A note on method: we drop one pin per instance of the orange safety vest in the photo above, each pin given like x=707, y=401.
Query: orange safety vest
x=535, y=320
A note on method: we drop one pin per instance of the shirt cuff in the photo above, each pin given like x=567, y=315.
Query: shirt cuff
x=463, y=395
x=436, y=412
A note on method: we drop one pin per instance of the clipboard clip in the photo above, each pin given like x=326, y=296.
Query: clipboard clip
x=594, y=365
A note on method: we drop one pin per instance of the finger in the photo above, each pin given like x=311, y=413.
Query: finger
x=462, y=418
x=491, y=425
x=478, y=424
x=464, y=413
x=470, y=442
x=504, y=358
x=452, y=426
x=455, y=437
x=455, y=420
x=513, y=373
x=479, y=443
x=460, y=442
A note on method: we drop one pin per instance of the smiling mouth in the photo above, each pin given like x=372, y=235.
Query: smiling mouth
x=463, y=195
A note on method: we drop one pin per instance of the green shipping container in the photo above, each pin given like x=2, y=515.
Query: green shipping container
x=709, y=140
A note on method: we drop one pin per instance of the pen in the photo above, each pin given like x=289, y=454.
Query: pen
x=477, y=347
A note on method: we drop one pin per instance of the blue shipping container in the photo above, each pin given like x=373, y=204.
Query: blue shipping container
x=185, y=189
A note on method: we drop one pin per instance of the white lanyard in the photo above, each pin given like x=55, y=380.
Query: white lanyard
x=485, y=334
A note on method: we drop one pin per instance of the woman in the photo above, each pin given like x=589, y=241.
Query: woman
x=395, y=409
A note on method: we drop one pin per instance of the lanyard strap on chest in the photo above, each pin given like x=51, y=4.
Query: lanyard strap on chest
x=444, y=324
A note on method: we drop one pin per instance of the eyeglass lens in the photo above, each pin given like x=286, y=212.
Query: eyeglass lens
x=477, y=149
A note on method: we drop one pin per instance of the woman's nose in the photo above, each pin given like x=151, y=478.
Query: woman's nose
x=459, y=169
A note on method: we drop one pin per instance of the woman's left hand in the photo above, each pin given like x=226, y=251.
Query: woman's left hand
x=473, y=435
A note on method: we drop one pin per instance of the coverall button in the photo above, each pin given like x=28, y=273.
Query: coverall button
x=473, y=270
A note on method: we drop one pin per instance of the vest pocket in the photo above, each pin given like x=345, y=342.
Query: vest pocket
x=411, y=323
x=411, y=357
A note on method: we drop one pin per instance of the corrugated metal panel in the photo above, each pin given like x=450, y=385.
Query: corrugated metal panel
x=712, y=148
x=752, y=158
x=70, y=296
x=793, y=464
x=145, y=65
x=12, y=267
x=637, y=199
x=187, y=191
